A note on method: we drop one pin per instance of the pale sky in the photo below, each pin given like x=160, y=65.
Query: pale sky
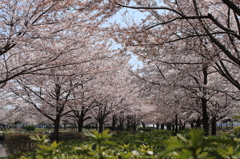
x=135, y=16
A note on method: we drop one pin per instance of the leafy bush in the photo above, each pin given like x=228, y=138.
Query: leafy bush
x=29, y=128
x=105, y=146
x=16, y=143
x=236, y=132
x=68, y=136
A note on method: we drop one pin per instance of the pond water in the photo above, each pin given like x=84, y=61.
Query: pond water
x=2, y=149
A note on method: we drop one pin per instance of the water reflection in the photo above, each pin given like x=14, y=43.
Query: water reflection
x=2, y=149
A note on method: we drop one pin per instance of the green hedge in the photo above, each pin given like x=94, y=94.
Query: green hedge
x=16, y=143
x=68, y=136
x=145, y=145
x=29, y=128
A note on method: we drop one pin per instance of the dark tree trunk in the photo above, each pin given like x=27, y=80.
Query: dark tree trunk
x=128, y=125
x=214, y=127
x=182, y=126
x=157, y=125
x=56, y=129
x=169, y=126
x=114, y=122
x=80, y=125
x=100, y=126
x=205, y=117
x=121, y=128
x=192, y=124
x=121, y=123
x=162, y=126
x=198, y=123
x=97, y=126
x=176, y=124
x=134, y=126
x=144, y=125
x=204, y=104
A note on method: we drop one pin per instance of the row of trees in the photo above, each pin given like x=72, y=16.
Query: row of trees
x=58, y=60
x=191, y=54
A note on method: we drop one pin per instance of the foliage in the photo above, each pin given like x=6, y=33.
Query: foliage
x=29, y=128
x=105, y=145
x=67, y=136
x=153, y=139
x=236, y=132
x=19, y=143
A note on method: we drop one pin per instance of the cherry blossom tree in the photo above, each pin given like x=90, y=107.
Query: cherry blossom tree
x=204, y=23
x=35, y=34
x=27, y=32
x=53, y=91
x=109, y=89
x=202, y=35
x=49, y=98
x=179, y=78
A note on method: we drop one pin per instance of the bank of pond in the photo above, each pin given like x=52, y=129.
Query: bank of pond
x=124, y=145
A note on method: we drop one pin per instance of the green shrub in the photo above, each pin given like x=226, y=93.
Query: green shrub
x=19, y=143
x=67, y=136
x=29, y=128
x=192, y=145
x=236, y=132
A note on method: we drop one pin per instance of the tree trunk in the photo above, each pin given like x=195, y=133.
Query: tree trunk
x=157, y=125
x=128, y=125
x=176, y=124
x=205, y=117
x=162, y=126
x=182, y=126
x=204, y=103
x=169, y=126
x=192, y=124
x=214, y=127
x=80, y=125
x=100, y=127
x=134, y=126
x=97, y=126
x=56, y=129
x=114, y=122
x=198, y=123
x=144, y=125
x=121, y=123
